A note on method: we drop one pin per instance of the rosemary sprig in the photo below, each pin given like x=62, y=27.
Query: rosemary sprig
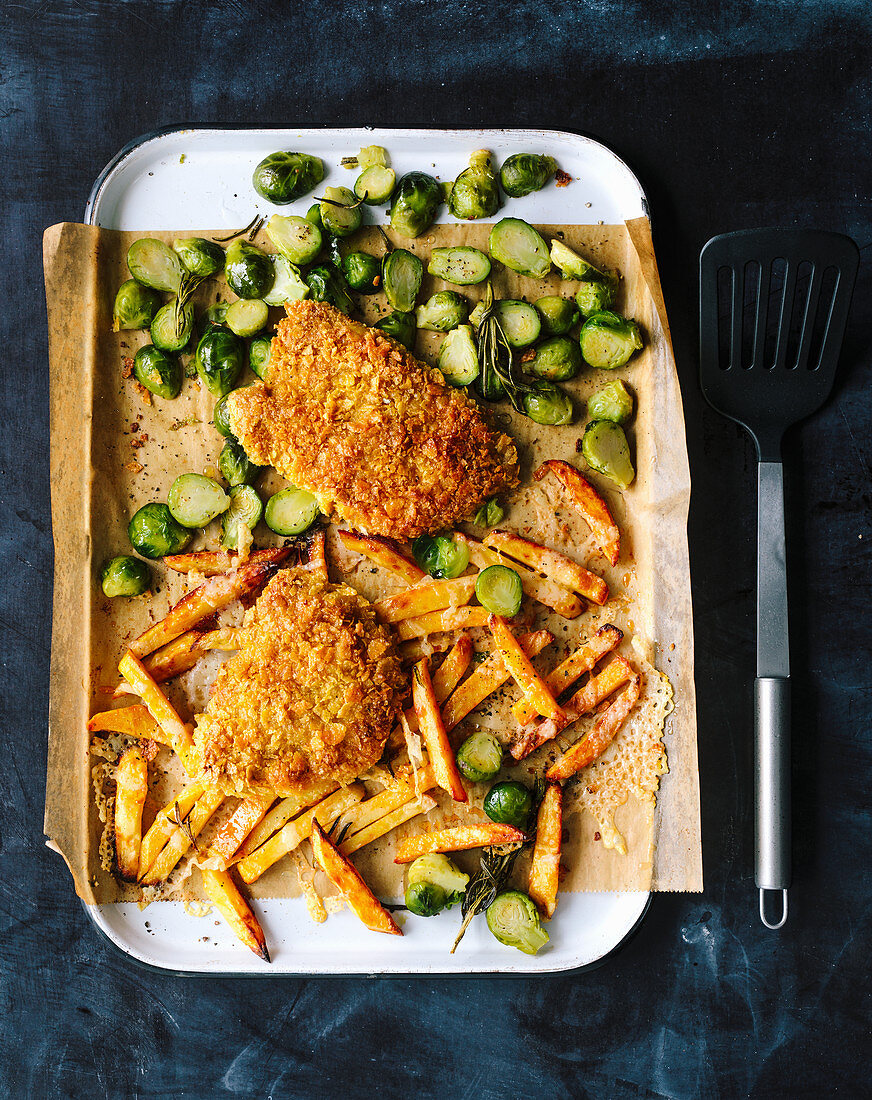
x=187, y=287
x=340, y=204
x=495, y=355
x=492, y=876
x=252, y=228
x=183, y=824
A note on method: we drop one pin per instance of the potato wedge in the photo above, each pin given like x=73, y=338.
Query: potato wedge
x=131, y=780
x=453, y=668
x=383, y=552
x=183, y=838
x=457, y=838
x=521, y=670
x=212, y=562
x=545, y=864
x=433, y=732
x=589, y=505
x=166, y=823
x=416, y=805
x=183, y=653
x=225, y=896
x=346, y=879
x=363, y=814
x=238, y=826
x=281, y=814
x=135, y=721
x=556, y=566
x=586, y=750
x=541, y=589
x=438, y=622
x=317, y=548
x=161, y=710
x=423, y=598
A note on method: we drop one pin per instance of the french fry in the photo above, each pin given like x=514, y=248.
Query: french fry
x=537, y=588
x=317, y=547
x=362, y=814
x=433, y=732
x=131, y=779
x=281, y=814
x=345, y=878
x=457, y=838
x=573, y=668
x=161, y=709
x=490, y=675
x=210, y=563
x=213, y=595
x=182, y=838
x=436, y=622
x=226, y=637
x=237, y=827
x=589, y=504
x=416, y=805
x=166, y=823
x=586, y=750
x=135, y=721
x=545, y=864
x=293, y=834
x=225, y=896
x=453, y=668
x=525, y=676
x=383, y=552
x=423, y=598
x=183, y=653
x=556, y=566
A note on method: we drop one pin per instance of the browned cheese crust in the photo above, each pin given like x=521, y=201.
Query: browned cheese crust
x=311, y=694
x=380, y=439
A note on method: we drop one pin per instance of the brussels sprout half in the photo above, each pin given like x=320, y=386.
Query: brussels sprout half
x=199, y=256
x=195, y=500
x=154, y=264
x=522, y=173
x=172, y=327
x=463, y=265
x=509, y=803
x=416, y=199
x=434, y=883
x=475, y=193
x=362, y=272
x=219, y=417
x=514, y=921
x=519, y=321
x=124, y=576
x=245, y=511
x=135, y=306
x=291, y=511
x=498, y=589
x=558, y=314
x=375, y=184
x=613, y=401
x=440, y=555
x=282, y=177
x=608, y=340
x=153, y=532
x=247, y=316
x=546, y=403
x=159, y=372
x=296, y=238
x=442, y=312
x=480, y=756
x=327, y=284
x=402, y=272
x=235, y=466
x=458, y=357
x=490, y=514
x=248, y=270
x=606, y=450
x=518, y=246
x=219, y=360
x=340, y=211
x=557, y=359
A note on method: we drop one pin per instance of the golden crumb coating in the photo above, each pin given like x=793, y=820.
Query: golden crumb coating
x=376, y=435
x=311, y=694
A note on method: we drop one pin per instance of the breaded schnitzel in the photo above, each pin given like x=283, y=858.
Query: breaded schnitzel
x=376, y=435
x=312, y=692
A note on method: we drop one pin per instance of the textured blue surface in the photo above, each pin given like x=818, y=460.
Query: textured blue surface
x=733, y=114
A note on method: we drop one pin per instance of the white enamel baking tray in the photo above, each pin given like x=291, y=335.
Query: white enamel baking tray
x=201, y=179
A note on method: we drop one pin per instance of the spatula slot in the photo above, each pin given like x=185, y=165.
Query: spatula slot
x=801, y=305
x=823, y=317
x=774, y=302
x=725, y=315
x=751, y=302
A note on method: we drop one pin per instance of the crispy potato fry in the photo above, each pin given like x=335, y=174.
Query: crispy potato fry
x=225, y=896
x=437, y=622
x=433, y=732
x=541, y=589
x=131, y=779
x=166, y=823
x=490, y=675
x=376, y=807
x=589, y=504
x=522, y=672
x=213, y=595
x=237, y=827
x=135, y=721
x=556, y=566
x=383, y=552
x=212, y=562
x=586, y=750
x=346, y=879
x=457, y=838
x=452, y=670
x=317, y=547
x=161, y=710
x=423, y=598
x=183, y=653
x=545, y=864
x=418, y=804
x=184, y=836
x=226, y=637
x=573, y=668
x=298, y=830
x=281, y=814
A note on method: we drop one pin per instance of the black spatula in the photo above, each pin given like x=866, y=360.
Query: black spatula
x=772, y=313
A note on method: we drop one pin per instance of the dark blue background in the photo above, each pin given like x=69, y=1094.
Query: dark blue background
x=733, y=114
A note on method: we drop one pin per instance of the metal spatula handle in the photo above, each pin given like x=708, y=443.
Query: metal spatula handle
x=772, y=696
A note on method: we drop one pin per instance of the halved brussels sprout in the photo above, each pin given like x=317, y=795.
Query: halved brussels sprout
x=340, y=211
x=287, y=285
x=519, y=321
x=135, y=306
x=475, y=193
x=291, y=511
x=498, y=589
x=523, y=173
x=372, y=154
x=125, y=576
x=362, y=272
x=313, y=214
x=219, y=417
x=434, y=883
x=258, y=354
x=249, y=272
x=606, y=450
x=195, y=500
x=463, y=265
x=458, y=357
x=558, y=314
x=219, y=360
x=375, y=184
x=172, y=327
x=235, y=466
x=557, y=359
x=402, y=273
x=400, y=326
x=510, y=802
x=546, y=403
x=514, y=921
x=154, y=264
x=608, y=340
x=327, y=284
x=159, y=372
x=480, y=756
x=296, y=238
x=416, y=199
x=613, y=401
x=245, y=511
x=596, y=295
x=199, y=256
x=247, y=316
x=569, y=263
x=490, y=514
x=282, y=177
x=153, y=532
x=520, y=247
x=440, y=555
x=442, y=312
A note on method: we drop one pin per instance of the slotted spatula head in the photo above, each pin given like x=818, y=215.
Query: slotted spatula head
x=773, y=308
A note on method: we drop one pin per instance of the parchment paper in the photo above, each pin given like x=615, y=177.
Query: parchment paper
x=111, y=452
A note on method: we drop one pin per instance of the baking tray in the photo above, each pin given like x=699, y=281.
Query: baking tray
x=201, y=178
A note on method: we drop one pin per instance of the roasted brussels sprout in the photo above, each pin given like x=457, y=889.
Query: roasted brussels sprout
x=249, y=272
x=153, y=532
x=498, y=589
x=375, y=184
x=291, y=511
x=416, y=199
x=135, y=306
x=557, y=359
x=463, y=266
x=287, y=284
x=519, y=321
x=282, y=177
x=442, y=312
x=433, y=883
x=514, y=921
x=490, y=514
x=313, y=214
x=199, y=256
x=440, y=555
x=219, y=360
x=480, y=756
x=219, y=417
x=608, y=340
x=402, y=273
x=327, y=284
x=154, y=264
x=401, y=327
x=372, y=154
x=613, y=401
x=195, y=500
x=606, y=450
x=546, y=403
x=216, y=314
x=125, y=576
x=340, y=211
x=520, y=247
x=244, y=512
x=247, y=316
x=172, y=327
x=159, y=372
x=595, y=295
x=558, y=314
x=475, y=193
x=258, y=354
x=458, y=357
x=362, y=272
x=523, y=173
x=510, y=802
x=296, y=238
x=235, y=466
